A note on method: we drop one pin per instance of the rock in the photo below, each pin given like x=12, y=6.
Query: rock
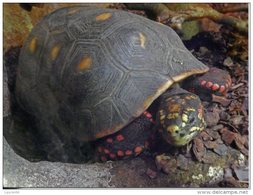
x=240, y=143
x=212, y=118
x=230, y=182
x=18, y=22
x=211, y=144
x=228, y=173
x=228, y=62
x=166, y=164
x=6, y=94
x=217, y=127
x=237, y=120
x=221, y=149
x=182, y=162
x=19, y=172
x=216, y=173
x=224, y=116
x=199, y=149
x=209, y=158
x=17, y=25
x=242, y=173
x=205, y=135
x=203, y=51
x=227, y=136
x=213, y=133
x=221, y=100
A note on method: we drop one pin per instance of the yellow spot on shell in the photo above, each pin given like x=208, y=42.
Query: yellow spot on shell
x=85, y=63
x=33, y=45
x=142, y=40
x=103, y=16
x=183, y=124
x=54, y=52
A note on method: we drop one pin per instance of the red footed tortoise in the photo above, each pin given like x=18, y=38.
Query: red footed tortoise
x=92, y=75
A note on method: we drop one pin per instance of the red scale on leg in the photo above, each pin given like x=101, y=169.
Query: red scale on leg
x=103, y=158
x=203, y=83
x=149, y=116
x=138, y=149
x=112, y=156
x=128, y=152
x=106, y=151
x=209, y=84
x=222, y=89
x=109, y=140
x=120, y=138
x=100, y=149
x=215, y=87
x=120, y=153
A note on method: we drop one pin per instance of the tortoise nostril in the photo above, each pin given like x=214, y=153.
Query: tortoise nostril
x=191, y=120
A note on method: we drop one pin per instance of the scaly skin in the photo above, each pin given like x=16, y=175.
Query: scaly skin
x=128, y=142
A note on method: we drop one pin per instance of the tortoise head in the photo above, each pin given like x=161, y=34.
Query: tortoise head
x=181, y=118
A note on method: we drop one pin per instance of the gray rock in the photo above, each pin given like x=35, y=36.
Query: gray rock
x=18, y=172
x=6, y=94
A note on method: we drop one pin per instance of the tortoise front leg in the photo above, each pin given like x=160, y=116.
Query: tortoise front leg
x=215, y=81
x=128, y=142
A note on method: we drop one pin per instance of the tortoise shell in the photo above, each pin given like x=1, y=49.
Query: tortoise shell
x=91, y=71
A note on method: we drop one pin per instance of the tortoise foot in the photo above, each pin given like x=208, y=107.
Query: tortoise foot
x=128, y=142
x=216, y=82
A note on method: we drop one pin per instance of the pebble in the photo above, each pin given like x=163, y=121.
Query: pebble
x=182, y=162
x=217, y=127
x=242, y=173
x=221, y=149
x=228, y=172
x=237, y=119
x=203, y=51
x=213, y=134
x=228, y=62
x=224, y=116
x=212, y=118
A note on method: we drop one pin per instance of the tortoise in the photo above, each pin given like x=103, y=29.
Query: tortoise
x=111, y=78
